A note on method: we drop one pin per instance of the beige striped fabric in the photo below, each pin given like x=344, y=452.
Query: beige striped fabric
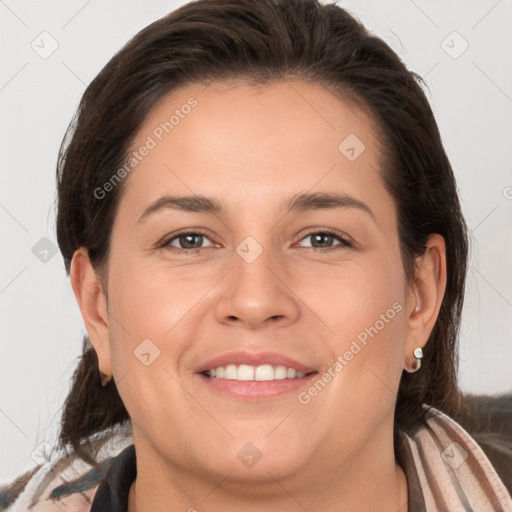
x=446, y=470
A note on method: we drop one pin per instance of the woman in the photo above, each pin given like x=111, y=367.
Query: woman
x=263, y=234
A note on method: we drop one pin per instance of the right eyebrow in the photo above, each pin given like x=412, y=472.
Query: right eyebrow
x=197, y=203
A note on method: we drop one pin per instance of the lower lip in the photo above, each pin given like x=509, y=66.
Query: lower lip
x=253, y=389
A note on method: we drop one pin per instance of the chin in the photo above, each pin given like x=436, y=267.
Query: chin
x=256, y=457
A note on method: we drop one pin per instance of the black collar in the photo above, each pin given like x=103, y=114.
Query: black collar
x=112, y=493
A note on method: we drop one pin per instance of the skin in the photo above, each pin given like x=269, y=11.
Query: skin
x=253, y=147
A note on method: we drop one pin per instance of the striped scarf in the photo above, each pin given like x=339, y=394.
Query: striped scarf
x=447, y=470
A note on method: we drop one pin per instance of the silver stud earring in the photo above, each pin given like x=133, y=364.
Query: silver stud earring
x=418, y=354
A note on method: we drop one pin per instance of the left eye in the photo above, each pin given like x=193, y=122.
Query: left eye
x=323, y=237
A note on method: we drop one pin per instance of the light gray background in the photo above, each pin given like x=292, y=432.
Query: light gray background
x=41, y=326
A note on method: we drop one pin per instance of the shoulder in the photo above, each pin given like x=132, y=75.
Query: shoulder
x=65, y=483
x=450, y=449
x=489, y=420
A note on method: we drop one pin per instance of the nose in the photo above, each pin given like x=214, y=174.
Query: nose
x=258, y=292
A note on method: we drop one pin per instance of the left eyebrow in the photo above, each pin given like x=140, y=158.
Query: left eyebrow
x=326, y=200
x=297, y=203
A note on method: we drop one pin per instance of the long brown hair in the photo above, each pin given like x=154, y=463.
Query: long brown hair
x=259, y=41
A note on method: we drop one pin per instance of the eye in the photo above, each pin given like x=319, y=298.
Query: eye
x=187, y=241
x=325, y=238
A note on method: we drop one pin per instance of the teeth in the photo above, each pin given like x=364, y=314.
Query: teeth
x=245, y=372
x=280, y=372
x=231, y=372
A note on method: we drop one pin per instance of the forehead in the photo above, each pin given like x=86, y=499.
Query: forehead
x=250, y=142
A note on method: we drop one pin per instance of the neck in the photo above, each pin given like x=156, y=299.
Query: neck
x=379, y=486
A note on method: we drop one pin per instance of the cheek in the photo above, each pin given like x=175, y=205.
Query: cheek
x=148, y=312
x=364, y=308
x=357, y=297
x=154, y=311
x=151, y=301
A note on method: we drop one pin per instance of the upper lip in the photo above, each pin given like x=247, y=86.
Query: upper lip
x=254, y=359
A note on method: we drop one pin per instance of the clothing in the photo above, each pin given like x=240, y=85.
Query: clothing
x=445, y=469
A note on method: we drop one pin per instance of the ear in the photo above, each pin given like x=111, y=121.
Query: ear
x=425, y=297
x=92, y=302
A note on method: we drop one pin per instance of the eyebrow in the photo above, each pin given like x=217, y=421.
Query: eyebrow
x=297, y=203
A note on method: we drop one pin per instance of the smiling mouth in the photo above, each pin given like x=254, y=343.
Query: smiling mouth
x=245, y=372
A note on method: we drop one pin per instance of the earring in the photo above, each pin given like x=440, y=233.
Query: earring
x=418, y=354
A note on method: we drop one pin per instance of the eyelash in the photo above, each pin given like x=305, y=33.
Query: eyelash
x=345, y=241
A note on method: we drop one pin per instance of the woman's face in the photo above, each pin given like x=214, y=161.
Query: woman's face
x=318, y=287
